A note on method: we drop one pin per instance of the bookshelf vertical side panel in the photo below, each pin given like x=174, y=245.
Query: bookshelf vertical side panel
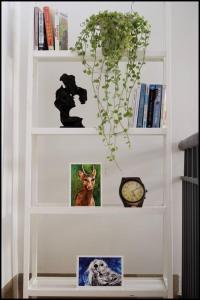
x=28, y=162
x=168, y=220
x=34, y=201
x=35, y=103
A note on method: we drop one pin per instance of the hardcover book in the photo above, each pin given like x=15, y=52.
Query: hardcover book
x=157, y=107
x=152, y=96
x=136, y=104
x=49, y=28
x=146, y=106
x=42, y=44
x=56, y=29
x=63, y=32
x=41, y=30
x=141, y=106
x=36, y=25
x=163, y=109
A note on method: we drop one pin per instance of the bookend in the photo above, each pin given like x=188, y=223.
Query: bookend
x=65, y=101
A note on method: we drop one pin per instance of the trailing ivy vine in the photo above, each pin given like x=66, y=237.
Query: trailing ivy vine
x=103, y=41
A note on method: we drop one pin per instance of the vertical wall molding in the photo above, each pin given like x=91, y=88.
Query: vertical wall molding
x=7, y=142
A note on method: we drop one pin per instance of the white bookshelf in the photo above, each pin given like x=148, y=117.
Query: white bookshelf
x=66, y=286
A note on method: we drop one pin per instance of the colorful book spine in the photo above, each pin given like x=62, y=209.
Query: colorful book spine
x=146, y=106
x=36, y=25
x=48, y=26
x=157, y=107
x=136, y=104
x=41, y=30
x=141, y=106
x=152, y=96
x=56, y=29
x=63, y=32
x=163, y=109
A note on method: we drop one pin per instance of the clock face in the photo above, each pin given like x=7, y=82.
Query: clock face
x=132, y=191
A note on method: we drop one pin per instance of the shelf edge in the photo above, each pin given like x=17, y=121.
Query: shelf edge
x=94, y=131
x=62, y=210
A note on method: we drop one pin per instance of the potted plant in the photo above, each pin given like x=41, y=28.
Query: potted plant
x=105, y=38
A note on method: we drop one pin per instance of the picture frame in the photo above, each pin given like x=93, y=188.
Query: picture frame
x=100, y=271
x=85, y=184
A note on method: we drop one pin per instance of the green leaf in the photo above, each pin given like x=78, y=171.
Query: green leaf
x=88, y=72
x=117, y=34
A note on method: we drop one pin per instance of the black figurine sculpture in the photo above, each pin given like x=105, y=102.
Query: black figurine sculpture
x=65, y=100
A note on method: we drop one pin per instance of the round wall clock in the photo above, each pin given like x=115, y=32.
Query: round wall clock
x=132, y=191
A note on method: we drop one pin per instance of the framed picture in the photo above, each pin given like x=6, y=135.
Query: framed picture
x=85, y=184
x=99, y=271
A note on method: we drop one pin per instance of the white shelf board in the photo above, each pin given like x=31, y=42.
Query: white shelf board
x=54, y=209
x=67, y=55
x=66, y=286
x=92, y=131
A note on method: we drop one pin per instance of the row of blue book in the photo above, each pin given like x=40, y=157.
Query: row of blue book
x=150, y=106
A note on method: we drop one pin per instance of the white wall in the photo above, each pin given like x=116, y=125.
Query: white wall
x=64, y=244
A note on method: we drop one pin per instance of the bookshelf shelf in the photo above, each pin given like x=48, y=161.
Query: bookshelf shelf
x=93, y=131
x=68, y=55
x=55, y=209
x=66, y=286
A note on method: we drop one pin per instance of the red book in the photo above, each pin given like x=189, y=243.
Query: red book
x=49, y=28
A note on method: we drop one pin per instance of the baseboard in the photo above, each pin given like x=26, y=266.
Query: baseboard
x=176, y=286
x=14, y=288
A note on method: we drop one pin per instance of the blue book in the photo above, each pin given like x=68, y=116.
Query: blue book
x=157, y=106
x=141, y=105
x=136, y=104
x=146, y=106
x=152, y=97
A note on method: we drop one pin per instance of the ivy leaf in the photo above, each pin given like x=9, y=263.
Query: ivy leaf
x=88, y=72
x=117, y=34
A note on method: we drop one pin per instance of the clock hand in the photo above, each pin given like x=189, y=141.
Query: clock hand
x=137, y=189
x=134, y=194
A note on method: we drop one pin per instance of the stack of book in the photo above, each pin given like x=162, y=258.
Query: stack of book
x=150, y=106
x=50, y=29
